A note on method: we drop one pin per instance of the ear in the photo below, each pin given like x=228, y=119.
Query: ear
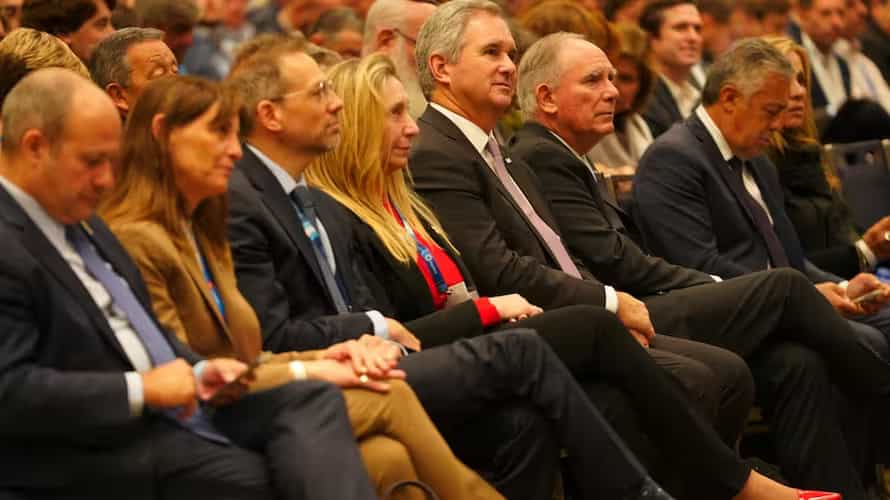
x=730, y=97
x=385, y=39
x=268, y=116
x=33, y=146
x=317, y=39
x=545, y=99
x=118, y=96
x=157, y=126
x=439, y=69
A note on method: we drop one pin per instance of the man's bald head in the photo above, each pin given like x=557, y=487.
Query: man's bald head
x=61, y=141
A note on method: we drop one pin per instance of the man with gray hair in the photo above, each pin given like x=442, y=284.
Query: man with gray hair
x=391, y=28
x=566, y=93
x=125, y=62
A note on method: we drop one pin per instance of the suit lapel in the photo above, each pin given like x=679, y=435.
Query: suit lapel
x=715, y=159
x=46, y=254
x=281, y=207
x=450, y=130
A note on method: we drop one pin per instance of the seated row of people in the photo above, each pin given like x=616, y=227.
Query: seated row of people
x=308, y=262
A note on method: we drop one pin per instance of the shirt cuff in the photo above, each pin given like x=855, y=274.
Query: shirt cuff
x=299, y=370
x=843, y=284
x=717, y=279
x=611, y=299
x=488, y=313
x=135, y=393
x=866, y=252
x=381, y=329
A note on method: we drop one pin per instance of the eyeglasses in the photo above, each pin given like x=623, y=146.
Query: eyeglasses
x=321, y=91
x=406, y=37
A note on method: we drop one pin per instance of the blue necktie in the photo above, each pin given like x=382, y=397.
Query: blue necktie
x=306, y=211
x=761, y=220
x=154, y=341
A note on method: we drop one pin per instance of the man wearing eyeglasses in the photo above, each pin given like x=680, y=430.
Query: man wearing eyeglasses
x=391, y=28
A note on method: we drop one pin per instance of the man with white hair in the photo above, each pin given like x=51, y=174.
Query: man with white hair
x=391, y=28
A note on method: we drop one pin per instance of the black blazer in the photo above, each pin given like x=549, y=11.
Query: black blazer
x=286, y=288
x=63, y=399
x=876, y=45
x=690, y=212
x=402, y=290
x=592, y=224
x=662, y=110
x=500, y=247
x=817, y=94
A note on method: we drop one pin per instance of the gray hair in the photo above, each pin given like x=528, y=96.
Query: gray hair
x=443, y=33
x=541, y=64
x=745, y=66
x=41, y=100
x=382, y=14
x=109, y=61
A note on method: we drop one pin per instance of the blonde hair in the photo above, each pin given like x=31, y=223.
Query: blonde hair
x=355, y=173
x=806, y=133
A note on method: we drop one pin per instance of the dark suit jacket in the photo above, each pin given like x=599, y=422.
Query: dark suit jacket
x=286, y=288
x=591, y=223
x=500, y=247
x=690, y=212
x=286, y=291
x=876, y=45
x=817, y=94
x=63, y=400
x=662, y=110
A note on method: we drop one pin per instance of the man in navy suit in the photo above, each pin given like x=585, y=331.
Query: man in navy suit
x=96, y=400
x=707, y=198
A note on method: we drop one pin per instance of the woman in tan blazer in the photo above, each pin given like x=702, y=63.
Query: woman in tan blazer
x=169, y=210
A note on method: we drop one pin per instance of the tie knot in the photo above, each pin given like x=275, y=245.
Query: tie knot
x=302, y=196
x=736, y=163
x=73, y=234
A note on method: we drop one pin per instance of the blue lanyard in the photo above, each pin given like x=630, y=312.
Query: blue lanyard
x=212, y=285
x=425, y=255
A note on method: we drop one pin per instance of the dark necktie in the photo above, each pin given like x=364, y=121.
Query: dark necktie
x=761, y=220
x=551, y=239
x=302, y=197
x=154, y=341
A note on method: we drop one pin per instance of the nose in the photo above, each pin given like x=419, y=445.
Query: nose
x=105, y=175
x=611, y=92
x=797, y=91
x=233, y=148
x=335, y=104
x=411, y=129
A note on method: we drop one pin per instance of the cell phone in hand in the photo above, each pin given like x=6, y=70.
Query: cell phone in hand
x=234, y=389
x=868, y=297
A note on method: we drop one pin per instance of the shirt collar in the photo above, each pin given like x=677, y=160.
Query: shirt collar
x=810, y=45
x=477, y=137
x=715, y=133
x=683, y=89
x=564, y=143
x=51, y=228
x=287, y=182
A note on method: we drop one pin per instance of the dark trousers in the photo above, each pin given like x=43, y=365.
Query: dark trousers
x=797, y=347
x=293, y=442
x=485, y=371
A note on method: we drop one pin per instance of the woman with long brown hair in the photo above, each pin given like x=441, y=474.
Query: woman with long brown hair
x=403, y=244
x=169, y=209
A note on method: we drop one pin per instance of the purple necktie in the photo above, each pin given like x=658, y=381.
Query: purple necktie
x=761, y=220
x=551, y=239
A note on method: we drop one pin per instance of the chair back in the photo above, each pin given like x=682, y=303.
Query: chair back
x=864, y=171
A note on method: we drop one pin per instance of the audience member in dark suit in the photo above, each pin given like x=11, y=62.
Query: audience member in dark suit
x=468, y=387
x=813, y=199
x=706, y=198
x=569, y=117
x=674, y=28
x=352, y=174
x=876, y=39
x=513, y=249
x=98, y=401
x=186, y=128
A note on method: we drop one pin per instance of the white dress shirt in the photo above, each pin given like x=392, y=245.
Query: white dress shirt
x=288, y=184
x=479, y=139
x=866, y=79
x=827, y=71
x=127, y=337
x=685, y=95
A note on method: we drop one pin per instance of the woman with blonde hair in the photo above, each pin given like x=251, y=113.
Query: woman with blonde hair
x=403, y=245
x=169, y=210
x=813, y=198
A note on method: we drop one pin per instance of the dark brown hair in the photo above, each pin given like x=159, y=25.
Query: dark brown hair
x=59, y=17
x=652, y=16
x=553, y=16
x=146, y=187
